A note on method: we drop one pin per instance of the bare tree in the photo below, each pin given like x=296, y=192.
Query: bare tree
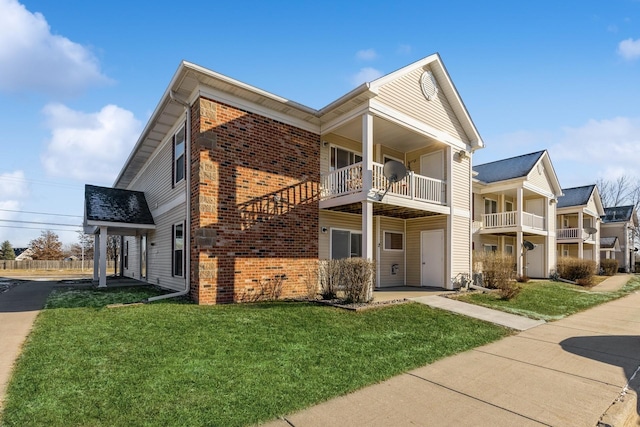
x=622, y=191
x=47, y=246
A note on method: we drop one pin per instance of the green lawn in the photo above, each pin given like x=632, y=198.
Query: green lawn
x=550, y=300
x=180, y=364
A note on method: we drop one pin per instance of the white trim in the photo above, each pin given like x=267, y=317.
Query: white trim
x=383, y=111
x=185, y=249
x=390, y=158
x=174, y=159
x=242, y=104
x=340, y=229
x=384, y=240
x=120, y=224
x=331, y=125
x=166, y=207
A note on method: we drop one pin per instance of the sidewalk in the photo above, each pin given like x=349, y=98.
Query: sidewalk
x=565, y=373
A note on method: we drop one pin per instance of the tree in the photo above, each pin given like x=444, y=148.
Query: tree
x=85, y=241
x=6, y=251
x=47, y=246
x=620, y=192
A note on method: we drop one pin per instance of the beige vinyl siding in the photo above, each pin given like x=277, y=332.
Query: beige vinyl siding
x=412, y=238
x=461, y=245
x=330, y=219
x=539, y=177
x=383, y=150
x=387, y=257
x=405, y=95
x=591, y=206
x=156, y=183
x=617, y=230
x=461, y=184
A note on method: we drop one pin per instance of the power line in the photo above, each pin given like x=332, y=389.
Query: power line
x=41, y=213
x=33, y=228
x=38, y=182
x=41, y=223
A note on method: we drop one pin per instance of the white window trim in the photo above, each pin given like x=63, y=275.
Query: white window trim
x=384, y=241
x=331, y=238
x=512, y=249
x=391, y=158
x=484, y=205
x=332, y=146
x=184, y=153
x=173, y=252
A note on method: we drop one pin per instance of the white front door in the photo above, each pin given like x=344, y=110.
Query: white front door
x=432, y=165
x=432, y=258
x=535, y=206
x=535, y=262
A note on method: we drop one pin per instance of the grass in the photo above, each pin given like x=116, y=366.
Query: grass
x=550, y=300
x=182, y=364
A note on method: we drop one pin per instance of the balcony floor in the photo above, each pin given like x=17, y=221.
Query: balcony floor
x=384, y=209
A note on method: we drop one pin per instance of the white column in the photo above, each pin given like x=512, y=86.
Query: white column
x=519, y=207
x=580, y=232
x=103, y=258
x=367, y=235
x=367, y=153
x=519, y=251
x=96, y=256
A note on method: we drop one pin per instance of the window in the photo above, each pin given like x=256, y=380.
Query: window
x=508, y=249
x=341, y=158
x=178, y=250
x=178, y=156
x=565, y=222
x=508, y=206
x=490, y=206
x=490, y=248
x=393, y=241
x=345, y=244
x=126, y=254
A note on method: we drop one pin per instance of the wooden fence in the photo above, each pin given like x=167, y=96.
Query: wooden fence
x=51, y=265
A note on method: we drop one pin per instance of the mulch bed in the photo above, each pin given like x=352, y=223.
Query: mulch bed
x=361, y=306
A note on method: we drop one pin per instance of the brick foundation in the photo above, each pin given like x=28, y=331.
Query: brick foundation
x=254, y=205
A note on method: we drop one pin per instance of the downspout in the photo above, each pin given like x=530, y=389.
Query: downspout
x=187, y=231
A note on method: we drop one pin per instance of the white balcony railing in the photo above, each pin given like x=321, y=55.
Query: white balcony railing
x=509, y=219
x=572, y=233
x=348, y=180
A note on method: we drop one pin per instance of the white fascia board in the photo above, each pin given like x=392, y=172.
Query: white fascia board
x=180, y=199
x=527, y=185
x=245, y=86
x=364, y=87
x=336, y=123
x=501, y=186
x=381, y=81
x=549, y=166
x=243, y=104
x=120, y=225
x=394, y=116
x=342, y=200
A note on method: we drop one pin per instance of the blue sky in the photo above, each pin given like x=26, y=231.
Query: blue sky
x=79, y=79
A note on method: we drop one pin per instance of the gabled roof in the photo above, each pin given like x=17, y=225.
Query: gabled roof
x=502, y=170
x=619, y=214
x=577, y=196
x=105, y=205
x=610, y=243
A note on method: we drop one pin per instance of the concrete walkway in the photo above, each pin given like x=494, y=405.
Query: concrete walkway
x=577, y=371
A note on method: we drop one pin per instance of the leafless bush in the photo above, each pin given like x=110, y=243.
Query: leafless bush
x=576, y=269
x=266, y=289
x=609, y=266
x=357, y=278
x=329, y=273
x=312, y=279
x=496, y=268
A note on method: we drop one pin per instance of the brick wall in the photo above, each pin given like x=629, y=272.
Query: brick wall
x=254, y=204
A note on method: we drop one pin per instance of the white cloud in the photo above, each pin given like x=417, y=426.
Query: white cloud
x=366, y=55
x=90, y=147
x=365, y=75
x=33, y=58
x=13, y=191
x=598, y=149
x=629, y=49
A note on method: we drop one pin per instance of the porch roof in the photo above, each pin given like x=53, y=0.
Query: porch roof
x=577, y=196
x=619, y=214
x=116, y=208
x=609, y=243
x=502, y=170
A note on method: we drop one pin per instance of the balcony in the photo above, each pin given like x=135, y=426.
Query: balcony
x=348, y=180
x=573, y=234
x=503, y=220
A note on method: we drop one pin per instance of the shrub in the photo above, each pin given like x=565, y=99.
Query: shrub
x=509, y=290
x=312, y=279
x=609, y=266
x=357, y=278
x=329, y=277
x=523, y=279
x=587, y=282
x=576, y=269
x=496, y=268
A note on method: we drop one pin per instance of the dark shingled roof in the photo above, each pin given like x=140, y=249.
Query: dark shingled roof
x=617, y=214
x=576, y=196
x=501, y=170
x=608, y=242
x=116, y=205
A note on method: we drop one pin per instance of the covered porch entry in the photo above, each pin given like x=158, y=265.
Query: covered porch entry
x=113, y=211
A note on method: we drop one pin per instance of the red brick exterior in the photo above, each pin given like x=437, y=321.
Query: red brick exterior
x=254, y=204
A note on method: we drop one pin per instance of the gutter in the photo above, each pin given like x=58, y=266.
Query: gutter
x=187, y=231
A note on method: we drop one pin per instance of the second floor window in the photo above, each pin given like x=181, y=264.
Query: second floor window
x=341, y=158
x=178, y=156
x=490, y=206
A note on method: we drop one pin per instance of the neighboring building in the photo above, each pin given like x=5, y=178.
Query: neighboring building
x=23, y=254
x=514, y=201
x=579, y=210
x=609, y=246
x=243, y=186
x=622, y=222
